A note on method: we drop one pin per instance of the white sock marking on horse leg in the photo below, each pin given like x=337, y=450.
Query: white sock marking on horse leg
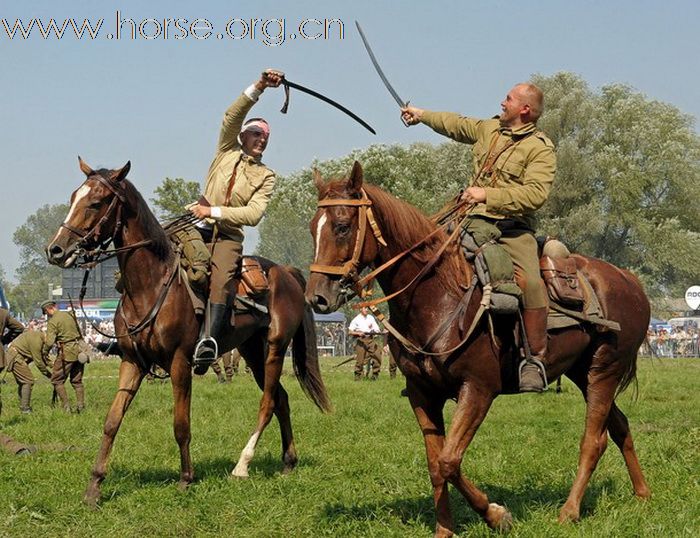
x=247, y=454
x=319, y=227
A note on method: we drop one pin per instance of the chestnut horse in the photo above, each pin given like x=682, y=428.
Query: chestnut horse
x=476, y=370
x=156, y=323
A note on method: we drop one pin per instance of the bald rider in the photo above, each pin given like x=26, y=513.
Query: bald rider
x=514, y=166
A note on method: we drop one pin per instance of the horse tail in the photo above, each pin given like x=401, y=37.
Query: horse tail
x=305, y=355
x=629, y=377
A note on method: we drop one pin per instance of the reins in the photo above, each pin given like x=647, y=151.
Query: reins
x=454, y=215
x=100, y=254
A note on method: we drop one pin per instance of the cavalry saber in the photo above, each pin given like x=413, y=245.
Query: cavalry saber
x=289, y=84
x=377, y=67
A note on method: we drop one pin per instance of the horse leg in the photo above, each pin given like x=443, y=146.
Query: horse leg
x=432, y=424
x=130, y=377
x=472, y=406
x=620, y=433
x=599, y=393
x=267, y=376
x=283, y=414
x=181, y=379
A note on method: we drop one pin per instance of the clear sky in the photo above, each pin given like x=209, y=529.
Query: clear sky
x=158, y=102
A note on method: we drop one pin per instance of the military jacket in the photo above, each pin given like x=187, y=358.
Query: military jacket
x=253, y=183
x=30, y=345
x=519, y=181
x=62, y=329
x=10, y=328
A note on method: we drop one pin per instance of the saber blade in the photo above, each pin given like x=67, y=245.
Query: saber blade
x=330, y=101
x=381, y=74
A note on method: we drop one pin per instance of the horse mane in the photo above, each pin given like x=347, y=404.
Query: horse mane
x=407, y=225
x=145, y=218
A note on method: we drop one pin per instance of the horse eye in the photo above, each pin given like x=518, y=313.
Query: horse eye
x=95, y=205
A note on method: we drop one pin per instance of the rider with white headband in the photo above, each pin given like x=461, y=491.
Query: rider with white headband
x=237, y=191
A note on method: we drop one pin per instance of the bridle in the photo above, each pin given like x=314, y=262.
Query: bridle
x=101, y=252
x=350, y=282
x=348, y=271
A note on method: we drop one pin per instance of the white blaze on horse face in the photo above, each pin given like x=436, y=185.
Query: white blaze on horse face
x=319, y=228
x=81, y=193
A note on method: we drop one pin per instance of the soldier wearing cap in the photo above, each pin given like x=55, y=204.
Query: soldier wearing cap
x=27, y=347
x=514, y=166
x=10, y=329
x=238, y=188
x=63, y=331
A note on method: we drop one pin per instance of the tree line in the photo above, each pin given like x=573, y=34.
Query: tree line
x=625, y=190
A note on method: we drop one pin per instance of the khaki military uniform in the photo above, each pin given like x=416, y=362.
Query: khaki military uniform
x=62, y=330
x=517, y=183
x=242, y=187
x=25, y=349
x=10, y=329
x=367, y=351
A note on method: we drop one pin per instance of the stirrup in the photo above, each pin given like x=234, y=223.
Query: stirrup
x=205, y=353
x=530, y=385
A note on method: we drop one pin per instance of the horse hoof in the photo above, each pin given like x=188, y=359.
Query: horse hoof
x=498, y=518
x=568, y=516
x=90, y=501
x=183, y=485
x=442, y=532
x=239, y=474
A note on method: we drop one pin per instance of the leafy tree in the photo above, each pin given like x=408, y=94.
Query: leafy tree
x=173, y=195
x=627, y=174
x=34, y=273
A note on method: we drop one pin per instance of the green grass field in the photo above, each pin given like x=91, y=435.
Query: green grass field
x=362, y=468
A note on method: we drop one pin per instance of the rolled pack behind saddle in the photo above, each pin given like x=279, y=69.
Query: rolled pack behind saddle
x=572, y=298
x=194, y=261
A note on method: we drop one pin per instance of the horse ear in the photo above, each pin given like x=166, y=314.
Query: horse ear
x=355, y=179
x=84, y=167
x=318, y=180
x=120, y=174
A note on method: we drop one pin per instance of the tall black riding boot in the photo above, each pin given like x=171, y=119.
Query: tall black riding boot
x=533, y=377
x=207, y=349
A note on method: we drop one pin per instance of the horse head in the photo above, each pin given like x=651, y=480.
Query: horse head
x=343, y=242
x=94, y=217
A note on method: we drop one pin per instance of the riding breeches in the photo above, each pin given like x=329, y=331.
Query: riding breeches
x=19, y=368
x=522, y=249
x=64, y=370
x=226, y=255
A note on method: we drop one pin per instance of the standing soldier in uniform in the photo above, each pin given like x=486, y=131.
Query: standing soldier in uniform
x=27, y=347
x=364, y=327
x=62, y=329
x=238, y=188
x=514, y=166
x=10, y=329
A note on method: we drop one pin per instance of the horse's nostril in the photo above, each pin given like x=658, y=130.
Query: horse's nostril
x=55, y=251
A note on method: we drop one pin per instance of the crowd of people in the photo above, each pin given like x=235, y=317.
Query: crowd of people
x=676, y=342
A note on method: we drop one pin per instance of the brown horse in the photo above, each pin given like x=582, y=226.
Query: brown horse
x=156, y=322
x=601, y=364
